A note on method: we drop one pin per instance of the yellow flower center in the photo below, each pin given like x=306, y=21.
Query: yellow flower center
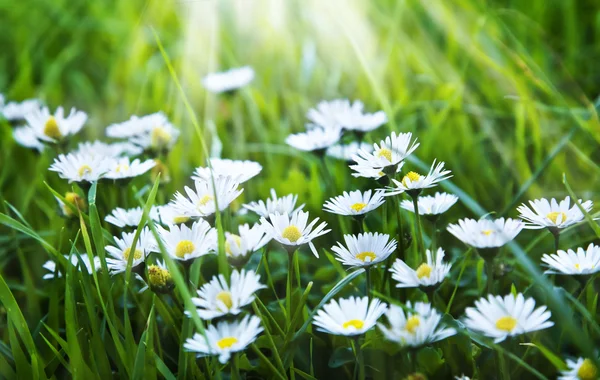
x=183, y=248
x=162, y=169
x=358, y=206
x=83, y=170
x=577, y=266
x=51, y=129
x=136, y=255
x=227, y=342
x=384, y=152
x=487, y=232
x=367, y=254
x=180, y=219
x=122, y=168
x=158, y=276
x=160, y=138
x=424, y=270
x=356, y=323
x=587, y=371
x=553, y=216
x=225, y=297
x=410, y=177
x=204, y=200
x=507, y=323
x=236, y=240
x=74, y=199
x=412, y=324
x=292, y=233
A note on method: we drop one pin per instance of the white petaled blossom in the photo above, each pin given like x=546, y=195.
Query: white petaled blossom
x=217, y=297
x=314, y=139
x=174, y=213
x=581, y=369
x=225, y=338
x=184, y=243
x=389, y=152
x=431, y=205
x=75, y=200
x=121, y=217
x=415, y=327
x=275, y=205
x=340, y=113
x=294, y=231
x=229, y=80
x=151, y=132
x=485, y=233
x=123, y=168
x=80, y=167
x=99, y=148
x=345, y=152
x=200, y=202
x=241, y=171
x=238, y=248
x=364, y=249
x=354, y=203
x=552, y=214
x=430, y=273
x=121, y=252
x=26, y=137
x=414, y=181
x=159, y=278
x=55, y=127
x=579, y=262
x=349, y=316
x=499, y=318
x=75, y=260
x=13, y=111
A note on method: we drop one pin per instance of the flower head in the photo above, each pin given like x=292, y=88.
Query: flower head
x=230, y=80
x=345, y=152
x=485, y=233
x=430, y=273
x=354, y=203
x=431, y=205
x=15, y=111
x=340, y=113
x=294, y=231
x=122, y=251
x=123, y=168
x=55, y=127
x=159, y=279
x=240, y=247
x=364, y=249
x=349, y=316
x=99, y=148
x=581, y=369
x=185, y=243
x=241, y=171
x=551, y=214
x=388, y=153
x=275, y=205
x=80, y=168
x=151, y=132
x=75, y=260
x=316, y=139
x=579, y=262
x=414, y=181
x=26, y=137
x=121, y=217
x=75, y=200
x=200, y=202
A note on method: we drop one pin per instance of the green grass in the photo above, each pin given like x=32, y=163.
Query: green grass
x=503, y=91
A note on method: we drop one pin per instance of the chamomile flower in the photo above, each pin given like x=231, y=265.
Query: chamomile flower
x=201, y=200
x=275, y=205
x=229, y=80
x=80, y=167
x=349, y=316
x=249, y=240
x=75, y=260
x=294, y=231
x=185, y=243
x=55, y=127
x=499, y=318
x=415, y=182
x=173, y=213
x=121, y=217
x=389, y=152
x=345, y=152
x=415, y=328
x=316, y=139
x=150, y=132
x=364, y=249
x=430, y=273
x=26, y=137
x=99, y=148
x=354, y=203
x=580, y=262
x=121, y=252
x=486, y=233
x=552, y=214
x=582, y=369
x=241, y=171
x=218, y=297
x=159, y=279
x=77, y=202
x=16, y=111
x=431, y=205
x=123, y=168
x=225, y=338
x=340, y=113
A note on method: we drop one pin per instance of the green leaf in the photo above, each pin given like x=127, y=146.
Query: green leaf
x=341, y=356
x=556, y=361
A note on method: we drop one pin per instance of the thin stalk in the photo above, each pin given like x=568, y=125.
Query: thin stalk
x=290, y=286
x=556, y=235
x=395, y=204
x=434, y=237
x=235, y=367
x=490, y=275
x=420, y=242
x=503, y=366
x=360, y=359
x=368, y=282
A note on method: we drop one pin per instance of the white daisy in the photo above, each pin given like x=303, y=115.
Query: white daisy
x=201, y=201
x=315, y=139
x=430, y=273
x=123, y=168
x=499, y=318
x=242, y=171
x=121, y=217
x=230, y=80
x=415, y=328
x=77, y=202
x=365, y=249
x=217, y=297
x=75, y=260
x=79, y=167
x=55, y=127
x=151, y=132
x=121, y=252
x=225, y=338
x=26, y=137
x=485, y=233
x=582, y=369
x=414, y=181
x=274, y=205
x=185, y=243
x=340, y=113
x=293, y=231
x=551, y=214
x=14, y=111
x=349, y=316
x=239, y=247
x=159, y=138
x=345, y=152
x=159, y=278
x=354, y=203
x=99, y=148
x=580, y=262
x=389, y=152
x=172, y=213
x=431, y=205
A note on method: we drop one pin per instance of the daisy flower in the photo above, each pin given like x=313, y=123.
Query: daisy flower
x=185, y=243
x=121, y=252
x=582, y=369
x=55, y=127
x=349, y=316
x=486, y=233
x=499, y=318
x=26, y=137
x=225, y=338
x=75, y=260
x=121, y=217
x=239, y=247
x=316, y=139
x=553, y=215
x=227, y=81
x=430, y=273
x=172, y=213
x=365, y=249
x=292, y=232
x=217, y=298
x=345, y=152
x=431, y=205
x=159, y=279
x=414, y=182
x=275, y=205
x=242, y=171
x=151, y=132
x=415, y=328
x=201, y=201
x=99, y=148
x=14, y=111
x=74, y=199
x=354, y=203
x=389, y=152
x=123, y=168
x=580, y=262
x=79, y=167
x=340, y=113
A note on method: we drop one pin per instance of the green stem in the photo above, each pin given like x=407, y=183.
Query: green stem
x=395, y=204
x=420, y=243
x=290, y=286
x=368, y=282
x=434, y=237
x=504, y=370
x=556, y=235
x=489, y=266
x=360, y=359
x=235, y=367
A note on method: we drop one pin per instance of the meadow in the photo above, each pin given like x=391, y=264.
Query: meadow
x=502, y=92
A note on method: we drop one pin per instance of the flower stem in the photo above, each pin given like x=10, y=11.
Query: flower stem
x=420, y=243
x=290, y=285
x=360, y=359
x=368, y=282
x=556, y=235
x=434, y=237
x=235, y=367
x=489, y=266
